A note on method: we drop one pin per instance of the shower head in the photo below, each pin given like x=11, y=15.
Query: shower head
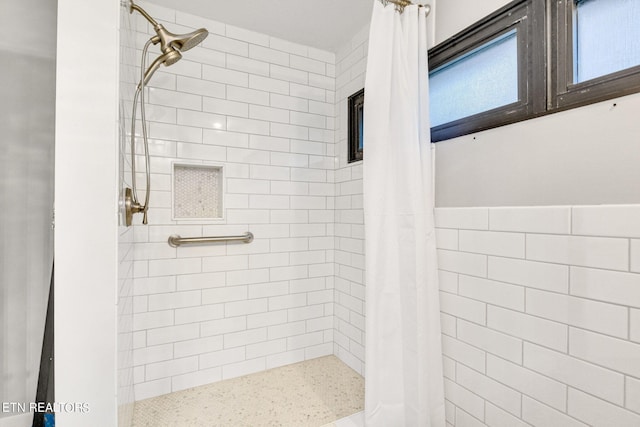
x=182, y=42
x=193, y=38
x=170, y=44
x=169, y=40
x=169, y=58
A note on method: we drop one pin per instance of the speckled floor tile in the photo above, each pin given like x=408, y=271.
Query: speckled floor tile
x=306, y=394
x=355, y=420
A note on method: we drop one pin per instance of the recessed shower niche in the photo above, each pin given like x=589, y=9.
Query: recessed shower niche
x=197, y=192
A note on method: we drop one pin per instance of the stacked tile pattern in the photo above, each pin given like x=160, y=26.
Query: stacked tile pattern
x=541, y=315
x=264, y=109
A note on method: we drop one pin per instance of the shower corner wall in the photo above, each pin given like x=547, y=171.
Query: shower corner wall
x=127, y=77
x=349, y=312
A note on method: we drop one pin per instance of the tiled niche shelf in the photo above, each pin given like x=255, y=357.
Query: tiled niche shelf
x=197, y=192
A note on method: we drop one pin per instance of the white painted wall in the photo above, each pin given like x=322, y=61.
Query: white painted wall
x=20, y=420
x=587, y=155
x=453, y=16
x=86, y=210
x=27, y=115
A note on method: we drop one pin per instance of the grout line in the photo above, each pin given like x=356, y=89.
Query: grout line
x=625, y=402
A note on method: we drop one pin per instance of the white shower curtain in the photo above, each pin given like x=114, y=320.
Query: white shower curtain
x=404, y=382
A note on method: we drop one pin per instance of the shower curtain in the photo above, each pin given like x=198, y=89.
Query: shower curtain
x=404, y=382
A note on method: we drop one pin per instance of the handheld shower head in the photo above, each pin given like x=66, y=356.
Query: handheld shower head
x=168, y=58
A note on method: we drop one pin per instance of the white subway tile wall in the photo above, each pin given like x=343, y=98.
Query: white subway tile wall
x=349, y=217
x=541, y=315
x=126, y=237
x=263, y=108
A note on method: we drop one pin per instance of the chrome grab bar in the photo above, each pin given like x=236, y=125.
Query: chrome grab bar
x=175, y=240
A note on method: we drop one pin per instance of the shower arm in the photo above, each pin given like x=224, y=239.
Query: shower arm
x=143, y=13
x=159, y=28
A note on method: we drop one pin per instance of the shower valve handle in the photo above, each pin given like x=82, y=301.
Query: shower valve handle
x=132, y=207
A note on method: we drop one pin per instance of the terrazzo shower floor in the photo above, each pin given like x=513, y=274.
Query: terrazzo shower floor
x=306, y=394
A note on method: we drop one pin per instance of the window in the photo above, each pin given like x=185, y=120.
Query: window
x=596, y=50
x=607, y=37
x=489, y=72
x=487, y=75
x=499, y=70
x=356, y=126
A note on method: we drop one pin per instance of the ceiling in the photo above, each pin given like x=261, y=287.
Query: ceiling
x=323, y=24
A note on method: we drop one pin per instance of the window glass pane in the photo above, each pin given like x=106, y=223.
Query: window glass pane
x=360, y=126
x=607, y=37
x=484, y=79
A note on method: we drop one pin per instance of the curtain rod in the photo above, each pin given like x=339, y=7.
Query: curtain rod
x=401, y=4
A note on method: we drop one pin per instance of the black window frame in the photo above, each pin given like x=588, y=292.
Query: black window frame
x=564, y=92
x=545, y=66
x=527, y=18
x=356, y=114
